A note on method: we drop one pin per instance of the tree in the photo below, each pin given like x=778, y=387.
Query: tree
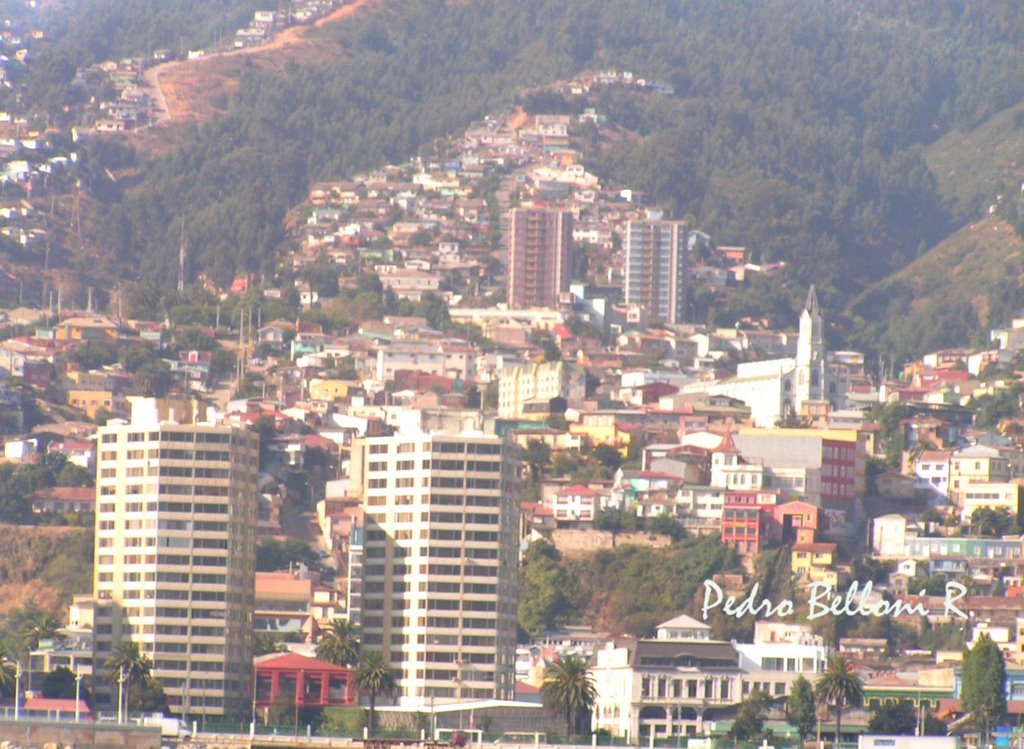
x=894, y=720
x=800, y=709
x=340, y=644
x=607, y=455
x=542, y=594
x=282, y=710
x=983, y=692
x=42, y=625
x=272, y=554
x=129, y=663
x=839, y=687
x=264, y=643
x=149, y=697
x=8, y=677
x=568, y=690
x=374, y=678
x=749, y=723
x=992, y=523
x=538, y=458
x=666, y=525
x=491, y=395
x=59, y=684
x=154, y=379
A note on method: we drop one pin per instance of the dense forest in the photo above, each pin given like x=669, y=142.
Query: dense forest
x=796, y=127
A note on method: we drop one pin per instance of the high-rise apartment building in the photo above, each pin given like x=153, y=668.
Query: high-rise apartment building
x=540, y=256
x=439, y=562
x=175, y=557
x=656, y=268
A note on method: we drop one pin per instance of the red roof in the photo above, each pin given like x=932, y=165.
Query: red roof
x=53, y=704
x=294, y=661
x=65, y=494
x=315, y=440
x=726, y=445
x=577, y=490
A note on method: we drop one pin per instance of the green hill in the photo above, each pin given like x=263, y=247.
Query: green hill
x=44, y=565
x=797, y=127
x=947, y=297
x=974, y=167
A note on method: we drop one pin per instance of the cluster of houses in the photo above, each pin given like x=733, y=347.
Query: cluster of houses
x=761, y=435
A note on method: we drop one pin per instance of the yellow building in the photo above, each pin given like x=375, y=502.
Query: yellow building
x=978, y=464
x=812, y=563
x=329, y=390
x=85, y=329
x=522, y=388
x=92, y=401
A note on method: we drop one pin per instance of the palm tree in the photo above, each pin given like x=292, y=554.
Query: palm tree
x=129, y=663
x=340, y=644
x=8, y=670
x=839, y=687
x=266, y=642
x=374, y=677
x=568, y=690
x=41, y=625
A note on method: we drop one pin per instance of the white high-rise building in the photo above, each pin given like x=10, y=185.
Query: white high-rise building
x=440, y=562
x=656, y=267
x=175, y=557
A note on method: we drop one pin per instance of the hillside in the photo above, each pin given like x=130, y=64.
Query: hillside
x=196, y=90
x=949, y=295
x=974, y=167
x=44, y=565
x=796, y=128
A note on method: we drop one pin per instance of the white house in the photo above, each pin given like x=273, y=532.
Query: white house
x=889, y=536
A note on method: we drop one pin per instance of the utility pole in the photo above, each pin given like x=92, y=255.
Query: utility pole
x=17, y=690
x=120, y=696
x=181, y=256
x=78, y=695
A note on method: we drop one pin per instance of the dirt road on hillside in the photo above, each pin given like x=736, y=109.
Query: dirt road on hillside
x=193, y=90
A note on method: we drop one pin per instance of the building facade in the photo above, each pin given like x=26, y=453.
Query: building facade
x=656, y=268
x=175, y=557
x=540, y=256
x=439, y=562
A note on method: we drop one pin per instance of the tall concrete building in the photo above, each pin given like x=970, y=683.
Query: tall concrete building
x=175, y=556
x=440, y=562
x=540, y=256
x=656, y=268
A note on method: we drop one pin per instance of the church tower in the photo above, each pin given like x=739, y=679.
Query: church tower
x=811, y=367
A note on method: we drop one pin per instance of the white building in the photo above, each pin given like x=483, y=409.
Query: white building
x=175, y=556
x=664, y=687
x=520, y=384
x=440, y=562
x=889, y=536
x=802, y=385
x=932, y=471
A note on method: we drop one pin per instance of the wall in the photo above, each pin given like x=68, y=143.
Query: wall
x=98, y=736
x=575, y=543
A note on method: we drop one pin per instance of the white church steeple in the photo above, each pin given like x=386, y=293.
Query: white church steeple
x=810, y=354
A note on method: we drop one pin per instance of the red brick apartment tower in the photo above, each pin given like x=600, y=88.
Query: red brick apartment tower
x=540, y=255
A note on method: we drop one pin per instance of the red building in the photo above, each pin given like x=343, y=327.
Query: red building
x=753, y=520
x=315, y=683
x=747, y=519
